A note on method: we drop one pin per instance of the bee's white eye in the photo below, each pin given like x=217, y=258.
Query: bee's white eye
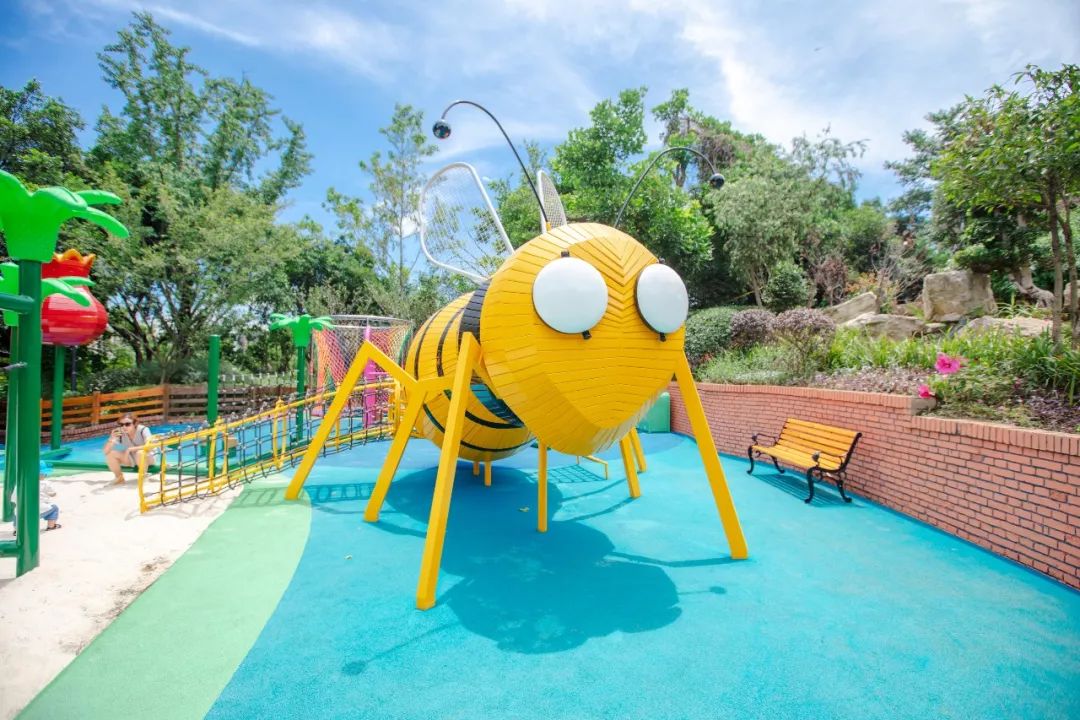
x=570, y=295
x=662, y=298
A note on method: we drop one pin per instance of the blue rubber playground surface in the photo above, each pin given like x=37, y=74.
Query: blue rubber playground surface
x=623, y=609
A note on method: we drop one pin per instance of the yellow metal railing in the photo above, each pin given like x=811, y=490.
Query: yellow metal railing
x=209, y=472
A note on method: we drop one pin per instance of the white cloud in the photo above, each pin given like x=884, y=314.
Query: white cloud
x=196, y=23
x=867, y=69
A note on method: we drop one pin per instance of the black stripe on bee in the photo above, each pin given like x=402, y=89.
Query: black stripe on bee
x=512, y=425
x=470, y=320
x=439, y=370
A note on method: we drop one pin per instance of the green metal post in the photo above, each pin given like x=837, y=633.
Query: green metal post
x=29, y=420
x=212, y=371
x=315, y=365
x=301, y=376
x=11, y=439
x=56, y=425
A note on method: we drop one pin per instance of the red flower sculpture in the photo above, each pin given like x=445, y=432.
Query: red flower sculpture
x=63, y=321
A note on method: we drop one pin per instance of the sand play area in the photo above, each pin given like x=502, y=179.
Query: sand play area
x=102, y=558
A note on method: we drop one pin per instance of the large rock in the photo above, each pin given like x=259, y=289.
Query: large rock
x=914, y=309
x=896, y=327
x=949, y=296
x=853, y=308
x=1026, y=326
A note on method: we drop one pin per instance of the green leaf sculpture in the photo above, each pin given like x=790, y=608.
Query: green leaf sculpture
x=300, y=326
x=31, y=221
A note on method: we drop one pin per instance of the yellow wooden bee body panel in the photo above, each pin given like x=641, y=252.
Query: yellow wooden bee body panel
x=433, y=352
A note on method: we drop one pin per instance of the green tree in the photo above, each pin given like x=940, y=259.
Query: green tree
x=595, y=170
x=1014, y=154
x=386, y=227
x=518, y=209
x=761, y=220
x=329, y=276
x=38, y=141
x=184, y=152
x=787, y=288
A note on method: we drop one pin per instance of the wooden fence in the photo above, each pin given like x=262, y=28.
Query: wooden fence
x=85, y=414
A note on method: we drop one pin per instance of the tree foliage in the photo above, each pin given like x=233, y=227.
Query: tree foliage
x=205, y=252
x=38, y=140
x=385, y=229
x=1010, y=162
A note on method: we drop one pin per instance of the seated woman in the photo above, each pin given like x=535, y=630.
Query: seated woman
x=125, y=446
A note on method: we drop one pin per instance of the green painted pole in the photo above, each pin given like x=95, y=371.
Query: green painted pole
x=56, y=425
x=29, y=420
x=301, y=377
x=11, y=439
x=212, y=372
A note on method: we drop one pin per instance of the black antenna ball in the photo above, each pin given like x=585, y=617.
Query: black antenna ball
x=716, y=181
x=441, y=130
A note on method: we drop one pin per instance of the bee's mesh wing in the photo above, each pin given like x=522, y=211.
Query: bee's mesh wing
x=553, y=207
x=459, y=229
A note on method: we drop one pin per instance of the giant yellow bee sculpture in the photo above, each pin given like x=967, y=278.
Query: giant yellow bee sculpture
x=569, y=341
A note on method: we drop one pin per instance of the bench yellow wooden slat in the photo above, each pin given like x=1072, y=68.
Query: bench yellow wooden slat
x=826, y=429
x=841, y=439
x=840, y=434
x=810, y=449
x=813, y=442
x=813, y=445
x=798, y=457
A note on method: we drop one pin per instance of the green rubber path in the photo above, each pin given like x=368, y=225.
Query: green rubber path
x=178, y=644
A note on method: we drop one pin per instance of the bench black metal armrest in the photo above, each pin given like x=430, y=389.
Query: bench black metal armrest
x=754, y=437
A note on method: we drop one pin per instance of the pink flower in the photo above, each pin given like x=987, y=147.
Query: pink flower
x=925, y=392
x=948, y=365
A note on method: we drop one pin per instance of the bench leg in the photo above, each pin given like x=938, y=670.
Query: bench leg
x=750, y=454
x=840, y=486
x=810, y=482
x=777, y=466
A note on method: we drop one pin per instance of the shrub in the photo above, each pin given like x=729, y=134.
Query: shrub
x=787, y=288
x=708, y=332
x=806, y=335
x=762, y=365
x=750, y=328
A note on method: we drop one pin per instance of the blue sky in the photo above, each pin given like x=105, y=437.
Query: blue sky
x=869, y=69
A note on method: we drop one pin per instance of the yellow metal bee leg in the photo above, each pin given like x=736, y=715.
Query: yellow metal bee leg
x=639, y=452
x=541, y=490
x=628, y=464
x=393, y=457
x=487, y=473
x=341, y=398
x=476, y=468
x=713, y=470
x=468, y=355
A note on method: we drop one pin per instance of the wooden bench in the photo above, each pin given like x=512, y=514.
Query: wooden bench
x=822, y=449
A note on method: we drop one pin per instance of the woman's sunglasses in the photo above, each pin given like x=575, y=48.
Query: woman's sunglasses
x=126, y=424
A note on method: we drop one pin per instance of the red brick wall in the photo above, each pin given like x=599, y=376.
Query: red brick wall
x=1013, y=491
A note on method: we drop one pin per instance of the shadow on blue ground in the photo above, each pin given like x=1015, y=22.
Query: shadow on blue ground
x=532, y=592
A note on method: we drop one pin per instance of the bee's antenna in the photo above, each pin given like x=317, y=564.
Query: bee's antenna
x=441, y=129
x=716, y=180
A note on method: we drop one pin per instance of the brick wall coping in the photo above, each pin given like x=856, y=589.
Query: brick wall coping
x=1065, y=443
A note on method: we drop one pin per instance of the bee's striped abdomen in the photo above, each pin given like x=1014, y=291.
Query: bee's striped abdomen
x=491, y=430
